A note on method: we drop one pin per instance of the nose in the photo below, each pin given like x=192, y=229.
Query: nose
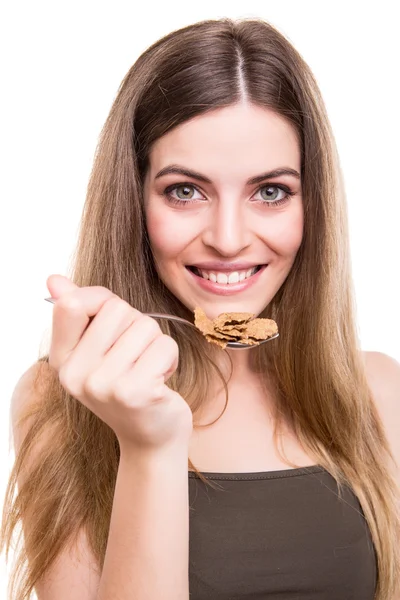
x=227, y=231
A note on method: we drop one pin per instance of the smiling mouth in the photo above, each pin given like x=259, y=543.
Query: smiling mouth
x=225, y=278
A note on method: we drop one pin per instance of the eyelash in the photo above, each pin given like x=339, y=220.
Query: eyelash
x=178, y=201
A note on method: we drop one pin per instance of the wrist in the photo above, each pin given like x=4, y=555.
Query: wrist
x=175, y=453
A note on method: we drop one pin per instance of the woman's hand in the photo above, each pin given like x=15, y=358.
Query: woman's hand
x=117, y=365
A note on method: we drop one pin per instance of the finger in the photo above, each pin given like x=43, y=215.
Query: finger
x=130, y=346
x=102, y=367
x=146, y=379
x=59, y=285
x=159, y=359
x=71, y=316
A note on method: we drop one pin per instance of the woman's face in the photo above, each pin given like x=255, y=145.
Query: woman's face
x=212, y=228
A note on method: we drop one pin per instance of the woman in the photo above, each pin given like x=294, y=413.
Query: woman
x=229, y=197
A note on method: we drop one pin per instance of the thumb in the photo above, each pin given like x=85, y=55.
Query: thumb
x=58, y=285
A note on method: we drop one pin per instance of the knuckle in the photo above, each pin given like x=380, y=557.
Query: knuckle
x=70, y=303
x=150, y=325
x=95, y=387
x=116, y=303
x=158, y=391
x=170, y=345
x=69, y=380
x=122, y=308
x=102, y=289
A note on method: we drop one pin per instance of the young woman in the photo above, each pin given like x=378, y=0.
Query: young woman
x=216, y=184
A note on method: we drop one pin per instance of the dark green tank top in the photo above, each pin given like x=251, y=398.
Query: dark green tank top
x=279, y=535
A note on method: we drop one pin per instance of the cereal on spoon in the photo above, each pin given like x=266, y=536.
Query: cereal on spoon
x=234, y=327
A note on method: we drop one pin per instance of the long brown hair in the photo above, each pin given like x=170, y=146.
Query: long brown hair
x=316, y=368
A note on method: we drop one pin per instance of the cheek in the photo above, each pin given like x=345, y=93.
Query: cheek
x=168, y=233
x=286, y=233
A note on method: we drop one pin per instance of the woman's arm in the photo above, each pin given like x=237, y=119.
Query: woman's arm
x=147, y=554
x=147, y=550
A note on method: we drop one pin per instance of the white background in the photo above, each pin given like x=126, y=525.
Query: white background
x=61, y=66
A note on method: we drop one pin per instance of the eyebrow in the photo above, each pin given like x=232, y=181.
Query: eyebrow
x=278, y=172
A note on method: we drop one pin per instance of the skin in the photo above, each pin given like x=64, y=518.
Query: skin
x=227, y=226
x=229, y=220
x=229, y=146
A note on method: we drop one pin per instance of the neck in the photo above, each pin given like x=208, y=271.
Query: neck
x=244, y=383
x=237, y=361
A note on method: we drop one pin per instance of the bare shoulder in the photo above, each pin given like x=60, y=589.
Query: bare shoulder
x=383, y=374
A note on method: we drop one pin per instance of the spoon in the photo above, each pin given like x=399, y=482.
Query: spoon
x=233, y=345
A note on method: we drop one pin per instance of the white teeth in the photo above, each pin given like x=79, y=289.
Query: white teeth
x=233, y=277
x=224, y=278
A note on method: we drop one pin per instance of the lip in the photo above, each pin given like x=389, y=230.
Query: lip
x=223, y=289
x=225, y=267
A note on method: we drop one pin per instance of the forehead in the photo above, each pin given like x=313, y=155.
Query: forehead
x=238, y=141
